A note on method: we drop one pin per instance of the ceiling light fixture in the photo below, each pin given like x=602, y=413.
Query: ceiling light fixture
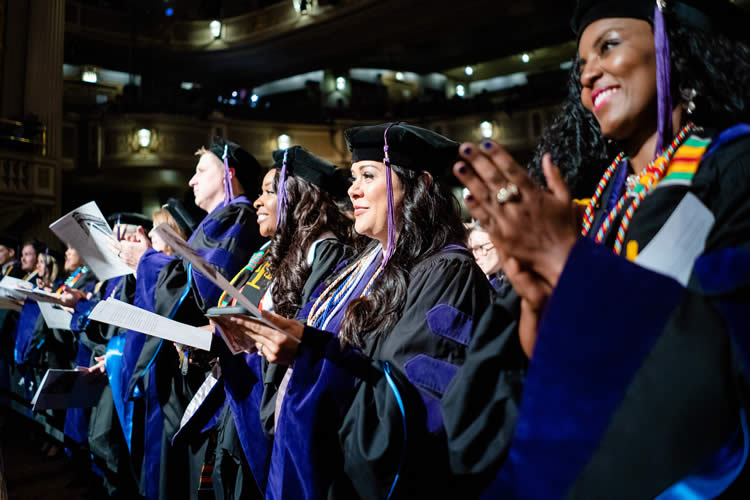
x=486, y=129
x=144, y=137
x=215, y=27
x=283, y=141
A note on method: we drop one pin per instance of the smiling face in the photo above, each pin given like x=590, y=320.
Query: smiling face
x=28, y=258
x=72, y=260
x=368, y=195
x=618, y=75
x=265, y=206
x=208, y=182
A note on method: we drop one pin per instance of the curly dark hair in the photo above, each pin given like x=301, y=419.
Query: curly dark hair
x=714, y=64
x=428, y=219
x=312, y=213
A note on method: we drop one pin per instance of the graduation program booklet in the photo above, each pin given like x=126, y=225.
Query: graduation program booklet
x=86, y=230
x=181, y=247
x=9, y=288
x=79, y=388
x=41, y=295
x=124, y=315
x=10, y=304
x=55, y=316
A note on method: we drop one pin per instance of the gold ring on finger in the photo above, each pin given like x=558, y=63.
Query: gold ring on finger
x=507, y=193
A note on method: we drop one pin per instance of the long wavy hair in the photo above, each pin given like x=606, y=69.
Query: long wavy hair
x=715, y=65
x=312, y=213
x=428, y=219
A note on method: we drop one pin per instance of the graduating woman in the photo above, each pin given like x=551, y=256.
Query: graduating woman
x=642, y=336
x=358, y=409
x=298, y=209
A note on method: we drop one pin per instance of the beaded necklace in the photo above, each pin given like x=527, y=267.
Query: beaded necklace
x=73, y=278
x=646, y=182
x=339, y=289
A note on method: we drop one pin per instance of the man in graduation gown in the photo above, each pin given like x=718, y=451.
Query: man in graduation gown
x=168, y=286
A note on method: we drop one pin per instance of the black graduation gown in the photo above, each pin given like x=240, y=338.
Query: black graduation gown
x=245, y=379
x=639, y=375
x=105, y=436
x=340, y=431
x=225, y=238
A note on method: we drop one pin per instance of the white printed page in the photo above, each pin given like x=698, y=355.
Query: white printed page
x=9, y=288
x=40, y=295
x=123, y=315
x=55, y=316
x=86, y=230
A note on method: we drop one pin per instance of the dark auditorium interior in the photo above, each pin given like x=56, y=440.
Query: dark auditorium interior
x=108, y=100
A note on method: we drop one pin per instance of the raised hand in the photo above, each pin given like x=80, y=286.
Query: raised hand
x=272, y=344
x=71, y=296
x=131, y=249
x=536, y=227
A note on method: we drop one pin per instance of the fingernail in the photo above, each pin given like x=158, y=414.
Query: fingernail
x=462, y=169
x=487, y=145
x=470, y=197
x=467, y=150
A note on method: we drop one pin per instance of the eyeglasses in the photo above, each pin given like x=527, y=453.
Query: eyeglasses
x=483, y=249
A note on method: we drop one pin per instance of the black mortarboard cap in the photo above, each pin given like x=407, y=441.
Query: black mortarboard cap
x=409, y=147
x=130, y=218
x=246, y=167
x=302, y=163
x=181, y=216
x=9, y=242
x=708, y=15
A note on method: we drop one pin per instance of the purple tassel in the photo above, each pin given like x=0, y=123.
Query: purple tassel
x=281, y=193
x=663, y=81
x=391, y=247
x=228, y=191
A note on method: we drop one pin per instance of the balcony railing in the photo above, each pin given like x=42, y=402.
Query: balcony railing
x=27, y=136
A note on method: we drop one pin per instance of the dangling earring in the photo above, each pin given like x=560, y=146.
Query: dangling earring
x=688, y=95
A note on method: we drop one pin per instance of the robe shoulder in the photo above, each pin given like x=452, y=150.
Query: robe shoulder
x=723, y=184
